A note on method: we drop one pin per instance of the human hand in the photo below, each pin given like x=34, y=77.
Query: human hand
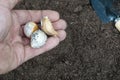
x=14, y=46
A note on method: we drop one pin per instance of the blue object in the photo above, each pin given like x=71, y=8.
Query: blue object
x=106, y=9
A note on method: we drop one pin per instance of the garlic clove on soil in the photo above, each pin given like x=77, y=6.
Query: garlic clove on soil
x=117, y=24
x=47, y=27
x=29, y=28
x=38, y=39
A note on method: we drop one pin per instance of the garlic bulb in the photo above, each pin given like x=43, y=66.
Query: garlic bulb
x=47, y=27
x=38, y=39
x=29, y=28
x=117, y=24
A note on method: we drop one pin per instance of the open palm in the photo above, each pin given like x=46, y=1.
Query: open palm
x=14, y=46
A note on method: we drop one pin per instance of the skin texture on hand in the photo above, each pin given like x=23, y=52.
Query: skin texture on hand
x=14, y=46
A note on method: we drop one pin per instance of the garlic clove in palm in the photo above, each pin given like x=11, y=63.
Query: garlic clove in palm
x=38, y=39
x=117, y=24
x=47, y=27
x=29, y=28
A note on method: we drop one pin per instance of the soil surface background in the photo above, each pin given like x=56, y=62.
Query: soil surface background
x=91, y=50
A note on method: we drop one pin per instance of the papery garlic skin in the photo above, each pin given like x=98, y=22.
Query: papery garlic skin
x=38, y=39
x=47, y=27
x=117, y=25
x=29, y=28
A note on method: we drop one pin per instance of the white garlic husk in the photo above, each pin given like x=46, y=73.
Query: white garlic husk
x=38, y=39
x=47, y=27
x=117, y=23
x=29, y=28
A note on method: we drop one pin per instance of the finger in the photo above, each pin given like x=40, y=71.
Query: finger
x=61, y=35
x=60, y=24
x=8, y=3
x=30, y=52
x=25, y=16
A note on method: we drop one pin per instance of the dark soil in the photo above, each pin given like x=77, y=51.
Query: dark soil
x=91, y=50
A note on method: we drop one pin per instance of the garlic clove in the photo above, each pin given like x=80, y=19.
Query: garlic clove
x=38, y=39
x=117, y=25
x=47, y=27
x=29, y=28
